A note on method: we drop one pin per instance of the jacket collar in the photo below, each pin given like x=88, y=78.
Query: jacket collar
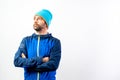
x=42, y=36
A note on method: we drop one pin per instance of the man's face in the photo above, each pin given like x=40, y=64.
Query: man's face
x=39, y=23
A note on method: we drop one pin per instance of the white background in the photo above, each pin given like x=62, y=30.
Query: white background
x=89, y=31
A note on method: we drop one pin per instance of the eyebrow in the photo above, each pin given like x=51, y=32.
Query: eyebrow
x=39, y=17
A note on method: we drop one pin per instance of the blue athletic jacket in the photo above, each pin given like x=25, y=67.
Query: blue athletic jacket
x=35, y=47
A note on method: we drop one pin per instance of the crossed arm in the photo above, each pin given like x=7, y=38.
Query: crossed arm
x=45, y=59
x=40, y=64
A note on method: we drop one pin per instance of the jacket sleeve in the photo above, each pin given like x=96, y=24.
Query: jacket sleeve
x=25, y=62
x=53, y=63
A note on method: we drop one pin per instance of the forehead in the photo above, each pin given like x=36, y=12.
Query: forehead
x=38, y=17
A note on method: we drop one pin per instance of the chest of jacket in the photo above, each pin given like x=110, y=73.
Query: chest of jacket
x=44, y=46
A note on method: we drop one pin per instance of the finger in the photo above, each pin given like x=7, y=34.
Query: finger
x=23, y=55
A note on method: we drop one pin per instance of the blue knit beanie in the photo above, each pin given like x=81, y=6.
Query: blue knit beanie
x=46, y=15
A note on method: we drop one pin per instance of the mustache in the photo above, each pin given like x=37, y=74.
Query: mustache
x=35, y=24
x=41, y=25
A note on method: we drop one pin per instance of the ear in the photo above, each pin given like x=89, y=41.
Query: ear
x=46, y=25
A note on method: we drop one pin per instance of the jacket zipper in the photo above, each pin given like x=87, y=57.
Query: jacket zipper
x=38, y=74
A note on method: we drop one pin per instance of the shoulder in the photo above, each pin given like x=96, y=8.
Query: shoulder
x=29, y=36
x=55, y=39
x=25, y=38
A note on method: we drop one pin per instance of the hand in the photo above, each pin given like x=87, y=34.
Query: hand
x=23, y=55
x=45, y=59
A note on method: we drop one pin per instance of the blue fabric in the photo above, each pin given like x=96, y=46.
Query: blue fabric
x=49, y=47
x=46, y=15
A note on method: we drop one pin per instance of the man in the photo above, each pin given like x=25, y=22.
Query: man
x=40, y=53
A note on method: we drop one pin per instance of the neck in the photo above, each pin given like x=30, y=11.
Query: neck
x=42, y=32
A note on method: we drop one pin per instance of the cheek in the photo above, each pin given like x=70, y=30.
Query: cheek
x=39, y=22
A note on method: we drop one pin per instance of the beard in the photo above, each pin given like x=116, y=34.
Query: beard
x=37, y=27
